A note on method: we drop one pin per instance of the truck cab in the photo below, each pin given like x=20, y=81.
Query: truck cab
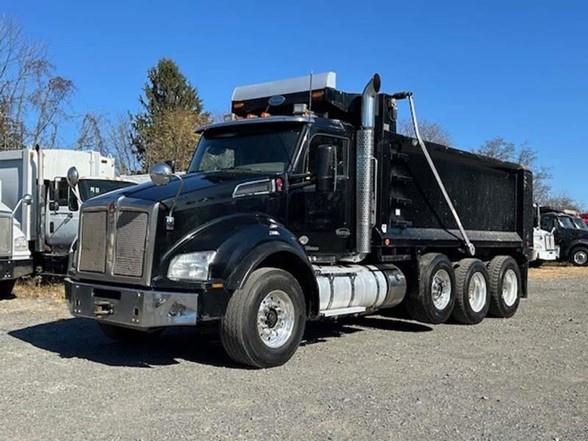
x=570, y=236
x=305, y=204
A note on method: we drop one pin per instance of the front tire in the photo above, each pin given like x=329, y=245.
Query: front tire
x=472, y=300
x=264, y=321
x=579, y=256
x=6, y=287
x=434, y=298
x=505, y=286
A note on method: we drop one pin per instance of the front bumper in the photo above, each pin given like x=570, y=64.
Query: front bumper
x=14, y=269
x=134, y=308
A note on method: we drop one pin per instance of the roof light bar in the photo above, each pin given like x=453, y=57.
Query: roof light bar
x=282, y=87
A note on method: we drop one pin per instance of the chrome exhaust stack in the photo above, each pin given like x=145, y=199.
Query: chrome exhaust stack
x=366, y=170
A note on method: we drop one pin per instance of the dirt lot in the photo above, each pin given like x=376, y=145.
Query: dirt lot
x=381, y=377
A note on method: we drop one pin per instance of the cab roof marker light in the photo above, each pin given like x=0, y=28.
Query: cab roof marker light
x=283, y=87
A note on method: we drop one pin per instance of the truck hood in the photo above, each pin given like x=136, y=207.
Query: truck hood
x=209, y=185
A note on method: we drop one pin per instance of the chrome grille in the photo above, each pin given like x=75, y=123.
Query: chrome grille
x=131, y=237
x=93, y=242
x=5, y=236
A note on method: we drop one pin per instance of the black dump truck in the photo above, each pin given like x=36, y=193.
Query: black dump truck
x=570, y=233
x=307, y=204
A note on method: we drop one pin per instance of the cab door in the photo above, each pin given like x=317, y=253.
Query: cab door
x=321, y=215
x=61, y=223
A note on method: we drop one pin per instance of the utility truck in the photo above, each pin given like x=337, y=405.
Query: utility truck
x=307, y=204
x=39, y=210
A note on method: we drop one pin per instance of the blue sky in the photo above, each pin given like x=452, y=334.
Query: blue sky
x=516, y=69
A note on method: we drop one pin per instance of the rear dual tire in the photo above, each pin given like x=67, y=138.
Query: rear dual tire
x=433, y=300
x=505, y=286
x=472, y=301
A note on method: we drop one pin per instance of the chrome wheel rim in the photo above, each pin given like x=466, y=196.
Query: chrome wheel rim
x=510, y=287
x=441, y=289
x=580, y=257
x=477, y=292
x=275, y=319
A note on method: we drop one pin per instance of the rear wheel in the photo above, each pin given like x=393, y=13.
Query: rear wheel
x=6, y=287
x=472, y=299
x=579, y=256
x=264, y=321
x=127, y=335
x=434, y=298
x=505, y=286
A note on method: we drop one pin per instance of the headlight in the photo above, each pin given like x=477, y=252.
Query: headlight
x=21, y=244
x=191, y=266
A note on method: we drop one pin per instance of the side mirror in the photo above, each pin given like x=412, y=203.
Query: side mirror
x=73, y=177
x=325, y=166
x=54, y=206
x=161, y=173
x=27, y=199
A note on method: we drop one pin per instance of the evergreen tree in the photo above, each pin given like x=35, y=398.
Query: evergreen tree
x=172, y=110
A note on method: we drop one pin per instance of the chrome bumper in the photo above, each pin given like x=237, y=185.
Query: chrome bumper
x=133, y=308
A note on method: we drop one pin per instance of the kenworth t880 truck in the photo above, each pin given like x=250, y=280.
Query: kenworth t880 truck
x=306, y=204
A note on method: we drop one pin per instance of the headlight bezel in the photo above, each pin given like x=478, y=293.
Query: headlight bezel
x=191, y=267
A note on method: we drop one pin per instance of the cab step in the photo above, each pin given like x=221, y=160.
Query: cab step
x=343, y=311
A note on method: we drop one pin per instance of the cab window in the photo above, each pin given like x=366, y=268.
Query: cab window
x=547, y=223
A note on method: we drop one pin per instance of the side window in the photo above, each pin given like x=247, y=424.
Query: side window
x=342, y=146
x=58, y=191
x=547, y=223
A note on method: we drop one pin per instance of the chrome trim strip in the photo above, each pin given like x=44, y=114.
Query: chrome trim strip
x=255, y=193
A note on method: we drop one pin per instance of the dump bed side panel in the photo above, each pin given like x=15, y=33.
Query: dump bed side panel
x=490, y=196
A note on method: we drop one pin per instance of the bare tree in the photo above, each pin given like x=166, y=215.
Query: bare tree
x=119, y=140
x=109, y=137
x=430, y=131
x=91, y=136
x=32, y=98
x=563, y=201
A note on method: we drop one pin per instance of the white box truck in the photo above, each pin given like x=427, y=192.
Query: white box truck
x=39, y=211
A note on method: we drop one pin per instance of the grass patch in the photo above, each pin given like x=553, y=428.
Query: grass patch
x=33, y=289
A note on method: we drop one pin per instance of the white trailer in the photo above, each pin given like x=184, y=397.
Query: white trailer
x=39, y=211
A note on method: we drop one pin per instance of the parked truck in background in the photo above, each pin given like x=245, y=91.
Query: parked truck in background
x=39, y=211
x=570, y=235
x=306, y=205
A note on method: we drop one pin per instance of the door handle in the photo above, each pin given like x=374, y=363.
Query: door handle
x=343, y=232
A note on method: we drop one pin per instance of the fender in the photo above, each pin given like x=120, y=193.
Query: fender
x=573, y=244
x=242, y=242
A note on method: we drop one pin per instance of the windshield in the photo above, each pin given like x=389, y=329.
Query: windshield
x=94, y=187
x=580, y=224
x=267, y=148
x=566, y=222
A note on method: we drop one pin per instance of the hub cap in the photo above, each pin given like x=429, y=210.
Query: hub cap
x=441, y=289
x=580, y=257
x=510, y=287
x=477, y=292
x=275, y=319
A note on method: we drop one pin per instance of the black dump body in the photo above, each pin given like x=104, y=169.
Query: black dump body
x=493, y=199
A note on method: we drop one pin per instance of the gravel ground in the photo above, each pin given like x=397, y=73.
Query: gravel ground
x=381, y=377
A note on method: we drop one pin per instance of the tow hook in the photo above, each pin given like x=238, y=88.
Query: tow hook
x=103, y=308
